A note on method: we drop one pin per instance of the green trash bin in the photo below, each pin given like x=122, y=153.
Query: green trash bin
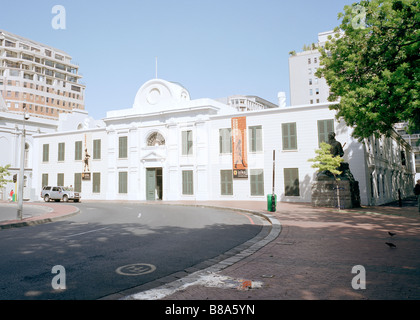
x=271, y=202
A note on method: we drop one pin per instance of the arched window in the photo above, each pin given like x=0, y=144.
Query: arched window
x=155, y=139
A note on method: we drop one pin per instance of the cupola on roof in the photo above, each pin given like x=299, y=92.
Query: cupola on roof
x=159, y=95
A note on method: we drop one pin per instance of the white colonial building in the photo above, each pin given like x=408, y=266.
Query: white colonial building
x=12, y=127
x=170, y=147
x=11, y=130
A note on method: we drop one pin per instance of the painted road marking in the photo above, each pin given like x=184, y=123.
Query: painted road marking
x=209, y=280
x=245, y=215
x=136, y=269
x=78, y=234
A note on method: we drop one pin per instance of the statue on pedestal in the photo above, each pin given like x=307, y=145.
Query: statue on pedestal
x=336, y=147
x=346, y=176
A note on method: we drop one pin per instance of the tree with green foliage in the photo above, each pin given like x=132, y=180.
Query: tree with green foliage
x=371, y=65
x=4, y=172
x=325, y=161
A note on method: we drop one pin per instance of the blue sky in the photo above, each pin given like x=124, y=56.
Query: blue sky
x=215, y=48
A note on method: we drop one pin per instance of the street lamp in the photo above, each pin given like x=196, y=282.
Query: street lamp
x=22, y=166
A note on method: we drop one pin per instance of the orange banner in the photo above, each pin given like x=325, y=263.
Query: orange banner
x=239, y=150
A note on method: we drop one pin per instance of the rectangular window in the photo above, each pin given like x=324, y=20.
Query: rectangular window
x=255, y=138
x=97, y=149
x=187, y=182
x=122, y=147
x=324, y=128
x=61, y=150
x=257, y=182
x=122, y=181
x=289, y=136
x=44, y=179
x=45, y=152
x=78, y=182
x=187, y=143
x=78, y=150
x=60, y=179
x=226, y=182
x=291, y=182
x=403, y=159
x=225, y=140
x=96, y=182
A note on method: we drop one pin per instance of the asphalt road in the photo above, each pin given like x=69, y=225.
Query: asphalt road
x=111, y=247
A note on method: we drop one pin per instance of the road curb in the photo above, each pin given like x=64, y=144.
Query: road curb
x=41, y=219
x=162, y=287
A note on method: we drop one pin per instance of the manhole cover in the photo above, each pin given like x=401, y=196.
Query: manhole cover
x=136, y=269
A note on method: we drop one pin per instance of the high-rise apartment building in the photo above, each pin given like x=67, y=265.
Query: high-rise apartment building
x=37, y=78
x=305, y=87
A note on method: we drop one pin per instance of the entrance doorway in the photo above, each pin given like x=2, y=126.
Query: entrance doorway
x=154, y=184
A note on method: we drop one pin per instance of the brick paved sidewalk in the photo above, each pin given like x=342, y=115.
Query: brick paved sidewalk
x=314, y=254
x=35, y=213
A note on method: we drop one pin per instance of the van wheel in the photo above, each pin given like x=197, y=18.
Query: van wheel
x=65, y=198
x=46, y=198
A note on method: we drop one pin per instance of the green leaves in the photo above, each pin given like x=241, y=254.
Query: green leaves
x=4, y=172
x=373, y=72
x=325, y=161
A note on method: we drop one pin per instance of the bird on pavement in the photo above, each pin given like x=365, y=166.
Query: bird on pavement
x=391, y=245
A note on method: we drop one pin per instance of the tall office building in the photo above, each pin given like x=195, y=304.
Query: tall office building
x=305, y=87
x=38, y=78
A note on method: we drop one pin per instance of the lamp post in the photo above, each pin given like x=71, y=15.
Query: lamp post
x=22, y=167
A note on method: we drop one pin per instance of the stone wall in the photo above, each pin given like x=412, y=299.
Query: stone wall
x=324, y=194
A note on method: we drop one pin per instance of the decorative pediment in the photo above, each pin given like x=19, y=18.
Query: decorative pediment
x=153, y=156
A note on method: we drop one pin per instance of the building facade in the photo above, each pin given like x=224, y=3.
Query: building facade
x=305, y=87
x=413, y=140
x=39, y=79
x=170, y=147
x=12, y=127
x=11, y=131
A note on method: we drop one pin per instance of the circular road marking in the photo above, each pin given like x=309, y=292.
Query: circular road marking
x=136, y=269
